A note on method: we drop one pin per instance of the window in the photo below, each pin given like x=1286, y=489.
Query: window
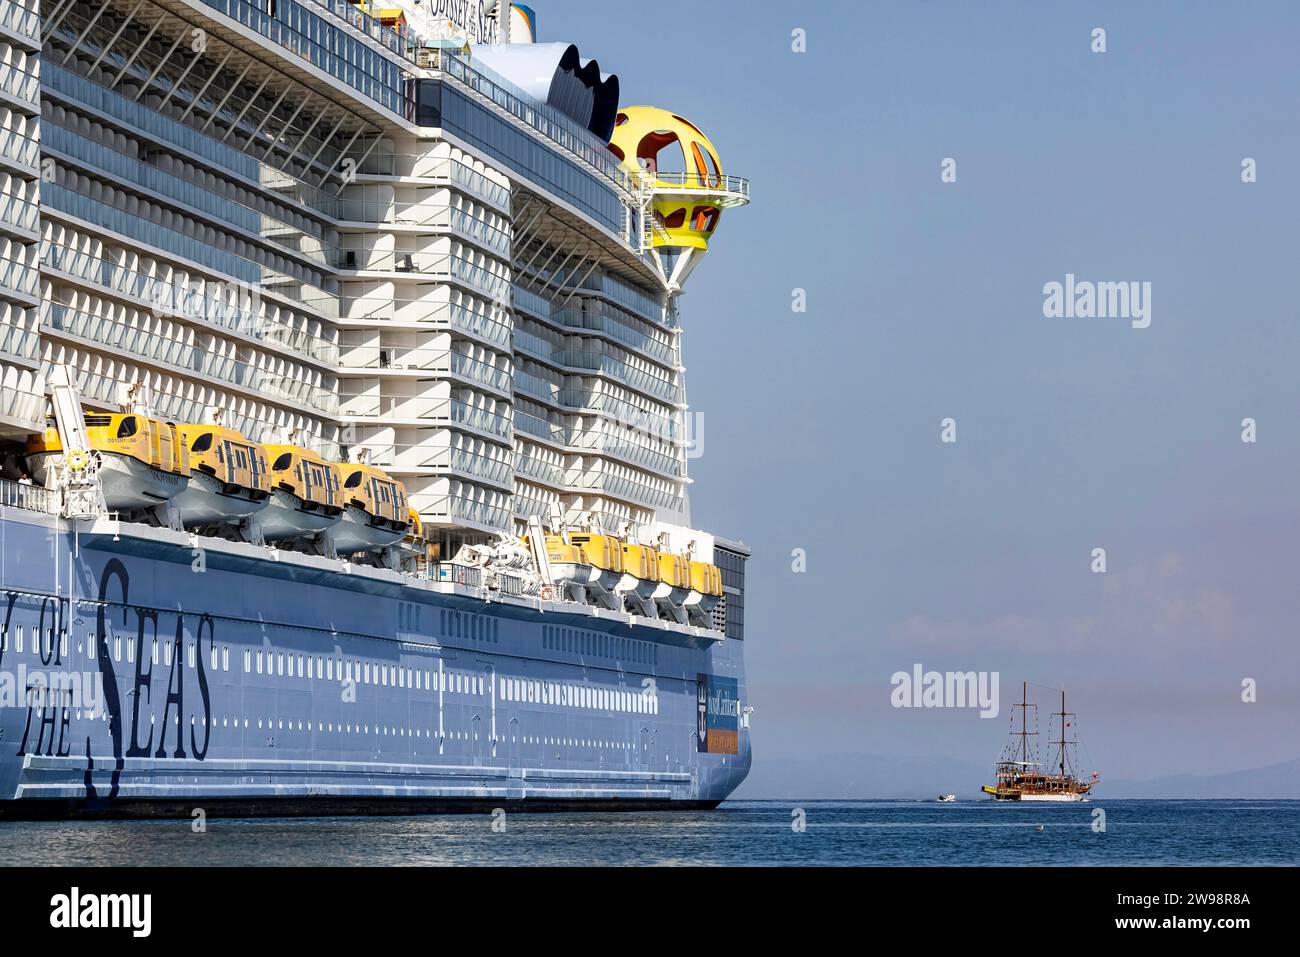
x=202, y=444
x=248, y=660
x=279, y=663
x=353, y=480
x=283, y=462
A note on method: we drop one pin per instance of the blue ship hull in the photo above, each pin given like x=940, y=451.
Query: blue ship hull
x=187, y=673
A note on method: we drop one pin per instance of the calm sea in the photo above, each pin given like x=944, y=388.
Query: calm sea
x=739, y=833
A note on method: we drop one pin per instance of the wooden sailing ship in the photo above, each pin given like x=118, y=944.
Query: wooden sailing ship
x=1022, y=779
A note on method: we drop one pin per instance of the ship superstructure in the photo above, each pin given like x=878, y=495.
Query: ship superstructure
x=348, y=336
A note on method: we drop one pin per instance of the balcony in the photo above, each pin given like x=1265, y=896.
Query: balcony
x=394, y=410
x=371, y=360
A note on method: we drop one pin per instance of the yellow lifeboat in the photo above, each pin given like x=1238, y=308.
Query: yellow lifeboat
x=376, y=512
x=143, y=462
x=705, y=592
x=229, y=479
x=415, y=544
x=674, y=585
x=640, y=576
x=305, y=495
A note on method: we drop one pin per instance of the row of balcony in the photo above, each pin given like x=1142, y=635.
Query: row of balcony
x=430, y=265
x=454, y=509
x=479, y=325
x=113, y=334
x=367, y=360
x=419, y=458
x=600, y=443
x=150, y=290
x=396, y=409
x=424, y=214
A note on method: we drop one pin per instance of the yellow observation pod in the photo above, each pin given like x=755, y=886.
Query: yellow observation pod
x=677, y=162
x=230, y=479
x=143, y=462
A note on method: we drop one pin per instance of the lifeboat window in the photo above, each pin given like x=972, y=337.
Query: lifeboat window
x=283, y=462
x=127, y=427
x=203, y=443
x=353, y=480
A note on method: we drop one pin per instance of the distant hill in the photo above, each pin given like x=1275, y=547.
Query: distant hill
x=1272, y=781
x=889, y=777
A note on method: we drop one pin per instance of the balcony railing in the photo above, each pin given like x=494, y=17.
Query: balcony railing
x=456, y=508
x=19, y=213
x=368, y=405
x=19, y=84
x=458, y=318
x=19, y=276
x=17, y=341
x=371, y=359
x=103, y=331
x=16, y=19
x=31, y=497
x=736, y=186
x=18, y=147
x=431, y=265
x=421, y=457
x=151, y=290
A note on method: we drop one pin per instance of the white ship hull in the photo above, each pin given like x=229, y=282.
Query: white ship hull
x=207, y=501
x=128, y=483
x=1052, y=798
x=287, y=516
x=355, y=532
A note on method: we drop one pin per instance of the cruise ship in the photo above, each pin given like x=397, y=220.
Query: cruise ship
x=343, y=437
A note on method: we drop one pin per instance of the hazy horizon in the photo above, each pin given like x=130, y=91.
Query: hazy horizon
x=925, y=301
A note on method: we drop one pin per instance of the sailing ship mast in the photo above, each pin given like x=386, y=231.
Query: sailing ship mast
x=1063, y=714
x=1024, y=707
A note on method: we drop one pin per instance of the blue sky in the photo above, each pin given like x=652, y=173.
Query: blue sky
x=925, y=301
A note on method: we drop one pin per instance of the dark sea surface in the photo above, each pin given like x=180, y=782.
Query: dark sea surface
x=740, y=833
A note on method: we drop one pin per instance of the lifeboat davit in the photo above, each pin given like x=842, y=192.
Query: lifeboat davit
x=375, y=510
x=142, y=462
x=305, y=495
x=228, y=481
